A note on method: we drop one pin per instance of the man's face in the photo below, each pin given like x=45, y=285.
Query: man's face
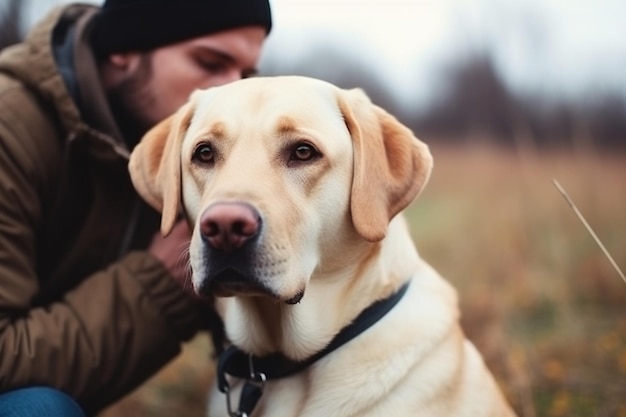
x=156, y=84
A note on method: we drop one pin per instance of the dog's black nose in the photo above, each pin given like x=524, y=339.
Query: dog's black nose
x=228, y=226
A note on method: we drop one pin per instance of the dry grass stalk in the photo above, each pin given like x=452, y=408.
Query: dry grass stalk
x=589, y=229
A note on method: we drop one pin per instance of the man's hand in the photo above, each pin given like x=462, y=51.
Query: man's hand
x=173, y=252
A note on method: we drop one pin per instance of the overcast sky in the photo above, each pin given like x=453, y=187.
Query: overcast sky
x=557, y=47
x=551, y=46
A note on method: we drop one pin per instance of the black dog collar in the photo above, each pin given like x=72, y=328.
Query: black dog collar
x=256, y=370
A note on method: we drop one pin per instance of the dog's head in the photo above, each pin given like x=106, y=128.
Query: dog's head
x=280, y=177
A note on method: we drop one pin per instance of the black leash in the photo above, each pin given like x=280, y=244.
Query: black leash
x=257, y=370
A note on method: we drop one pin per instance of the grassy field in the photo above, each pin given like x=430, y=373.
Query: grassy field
x=538, y=296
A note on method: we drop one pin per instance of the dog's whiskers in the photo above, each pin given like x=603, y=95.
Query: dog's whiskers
x=184, y=262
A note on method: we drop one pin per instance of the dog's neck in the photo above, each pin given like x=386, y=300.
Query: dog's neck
x=262, y=326
x=255, y=371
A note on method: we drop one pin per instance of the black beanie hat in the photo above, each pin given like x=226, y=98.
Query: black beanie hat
x=141, y=25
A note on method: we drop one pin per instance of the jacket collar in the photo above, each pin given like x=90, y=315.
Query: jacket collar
x=88, y=91
x=54, y=62
x=92, y=95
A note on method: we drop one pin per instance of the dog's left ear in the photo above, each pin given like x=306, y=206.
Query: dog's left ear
x=155, y=165
x=391, y=166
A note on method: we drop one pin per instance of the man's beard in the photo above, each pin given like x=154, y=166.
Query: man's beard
x=128, y=100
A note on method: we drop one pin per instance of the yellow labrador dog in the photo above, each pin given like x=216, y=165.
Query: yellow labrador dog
x=294, y=188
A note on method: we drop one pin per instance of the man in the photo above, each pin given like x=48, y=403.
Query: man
x=90, y=306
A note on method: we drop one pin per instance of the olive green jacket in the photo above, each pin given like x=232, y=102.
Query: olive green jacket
x=83, y=306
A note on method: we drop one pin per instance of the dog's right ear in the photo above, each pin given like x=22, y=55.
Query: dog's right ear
x=155, y=165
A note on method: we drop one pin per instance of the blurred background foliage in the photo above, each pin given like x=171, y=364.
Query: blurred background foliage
x=538, y=297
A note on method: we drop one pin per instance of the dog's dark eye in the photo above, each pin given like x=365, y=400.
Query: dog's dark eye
x=203, y=154
x=303, y=152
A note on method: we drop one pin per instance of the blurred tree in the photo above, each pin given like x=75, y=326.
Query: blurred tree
x=476, y=102
x=606, y=116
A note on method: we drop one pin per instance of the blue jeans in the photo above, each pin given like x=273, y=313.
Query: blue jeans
x=38, y=402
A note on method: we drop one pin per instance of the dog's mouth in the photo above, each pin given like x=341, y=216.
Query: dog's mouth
x=230, y=283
